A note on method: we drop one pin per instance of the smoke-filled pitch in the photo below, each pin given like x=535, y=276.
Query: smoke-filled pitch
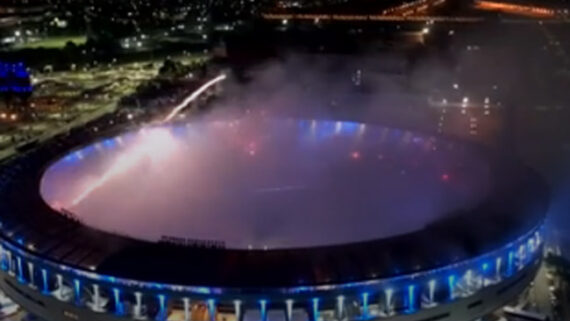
x=263, y=182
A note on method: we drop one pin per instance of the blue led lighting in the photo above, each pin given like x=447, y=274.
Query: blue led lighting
x=315, y=309
x=45, y=281
x=162, y=303
x=14, y=78
x=451, y=286
x=77, y=287
x=263, y=309
x=118, y=304
x=349, y=127
x=212, y=308
x=109, y=143
x=452, y=275
x=411, y=298
x=4, y=262
x=510, y=263
x=365, y=304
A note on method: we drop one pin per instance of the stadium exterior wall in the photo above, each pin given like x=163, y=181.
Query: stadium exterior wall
x=463, y=291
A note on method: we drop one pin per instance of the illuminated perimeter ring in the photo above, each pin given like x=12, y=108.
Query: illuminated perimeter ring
x=459, y=269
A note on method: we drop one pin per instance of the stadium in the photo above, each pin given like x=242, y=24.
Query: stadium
x=261, y=218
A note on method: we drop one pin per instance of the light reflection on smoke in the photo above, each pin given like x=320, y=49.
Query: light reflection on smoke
x=155, y=144
x=266, y=182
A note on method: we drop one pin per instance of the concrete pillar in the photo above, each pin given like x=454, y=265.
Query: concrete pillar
x=498, y=263
x=59, y=278
x=388, y=296
x=138, y=305
x=96, y=298
x=237, y=310
x=340, y=307
x=10, y=263
x=187, y=311
x=288, y=310
x=58, y=293
x=32, y=281
x=20, y=269
x=3, y=261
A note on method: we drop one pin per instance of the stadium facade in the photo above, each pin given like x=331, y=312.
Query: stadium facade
x=459, y=268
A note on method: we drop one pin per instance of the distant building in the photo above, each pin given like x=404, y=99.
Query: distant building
x=15, y=82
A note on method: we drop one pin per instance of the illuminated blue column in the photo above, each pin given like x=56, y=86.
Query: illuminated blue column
x=45, y=281
x=77, y=291
x=3, y=259
x=451, y=286
x=118, y=304
x=365, y=305
x=411, y=298
x=263, y=309
x=485, y=268
x=315, y=309
x=530, y=245
x=510, y=263
x=162, y=305
x=212, y=309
